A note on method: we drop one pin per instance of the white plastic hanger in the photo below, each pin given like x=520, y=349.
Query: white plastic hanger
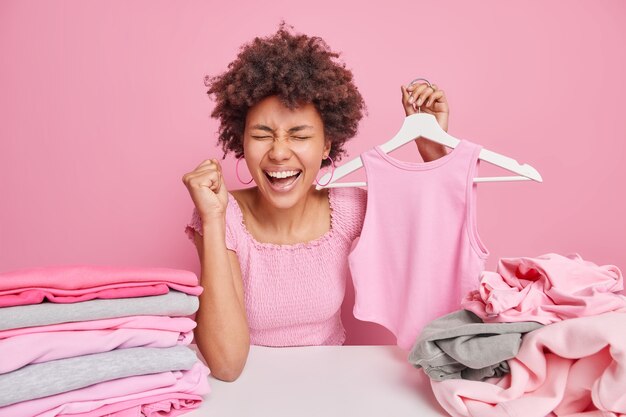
x=425, y=125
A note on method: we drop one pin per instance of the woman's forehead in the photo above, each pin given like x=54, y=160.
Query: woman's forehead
x=271, y=113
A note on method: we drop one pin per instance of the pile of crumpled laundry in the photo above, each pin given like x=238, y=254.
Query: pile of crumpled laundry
x=542, y=336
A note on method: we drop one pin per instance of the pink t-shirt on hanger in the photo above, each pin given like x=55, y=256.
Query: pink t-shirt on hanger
x=419, y=251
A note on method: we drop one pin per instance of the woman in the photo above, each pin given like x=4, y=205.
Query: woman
x=274, y=256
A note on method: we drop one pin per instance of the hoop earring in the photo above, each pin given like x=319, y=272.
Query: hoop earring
x=332, y=172
x=237, y=172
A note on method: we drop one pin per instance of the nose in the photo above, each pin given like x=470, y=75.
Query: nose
x=280, y=150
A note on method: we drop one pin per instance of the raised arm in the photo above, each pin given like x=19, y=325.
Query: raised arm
x=433, y=101
x=222, y=331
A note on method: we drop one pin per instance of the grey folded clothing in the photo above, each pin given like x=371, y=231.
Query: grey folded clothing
x=174, y=303
x=63, y=375
x=460, y=345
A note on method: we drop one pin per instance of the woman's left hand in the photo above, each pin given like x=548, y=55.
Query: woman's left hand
x=429, y=99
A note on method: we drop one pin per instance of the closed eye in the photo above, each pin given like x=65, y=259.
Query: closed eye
x=295, y=137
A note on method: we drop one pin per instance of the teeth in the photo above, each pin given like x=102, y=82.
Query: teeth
x=282, y=174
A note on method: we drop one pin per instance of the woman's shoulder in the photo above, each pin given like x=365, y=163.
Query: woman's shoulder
x=237, y=194
x=348, y=206
x=238, y=203
x=241, y=196
x=233, y=219
x=349, y=197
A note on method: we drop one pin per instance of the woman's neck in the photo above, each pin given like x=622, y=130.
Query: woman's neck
x=288, y=221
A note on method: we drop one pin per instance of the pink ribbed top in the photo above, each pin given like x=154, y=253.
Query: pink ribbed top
x=419, y=251
x=293, y=293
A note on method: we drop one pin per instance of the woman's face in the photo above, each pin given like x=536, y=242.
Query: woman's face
x=284, y=149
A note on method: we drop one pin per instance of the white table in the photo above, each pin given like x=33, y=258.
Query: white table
x=323, y=381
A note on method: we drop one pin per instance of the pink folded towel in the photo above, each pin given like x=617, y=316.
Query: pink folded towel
x=75, y=283
x=164, y=405
x=134, y=394
x=19, y=351
x=175, y=324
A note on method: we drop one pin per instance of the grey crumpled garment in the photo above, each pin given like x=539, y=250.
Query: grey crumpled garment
x=460, y=345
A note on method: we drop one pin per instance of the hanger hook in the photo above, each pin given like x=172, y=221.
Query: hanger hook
x=419, y=110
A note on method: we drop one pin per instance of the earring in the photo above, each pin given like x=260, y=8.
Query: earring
x=237, y=172
x=332, y=172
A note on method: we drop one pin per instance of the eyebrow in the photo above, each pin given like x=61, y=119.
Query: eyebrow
x=293, y=129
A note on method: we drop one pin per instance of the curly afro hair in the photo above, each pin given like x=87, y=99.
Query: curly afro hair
x=297, y=69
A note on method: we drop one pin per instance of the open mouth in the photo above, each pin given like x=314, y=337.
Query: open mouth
x=282, y=179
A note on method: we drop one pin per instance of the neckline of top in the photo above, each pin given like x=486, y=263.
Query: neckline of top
x=294, y=246
x=422, y=165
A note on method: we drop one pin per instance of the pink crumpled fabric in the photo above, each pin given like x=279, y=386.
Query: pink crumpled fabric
x=546, y=289
x=572, y=368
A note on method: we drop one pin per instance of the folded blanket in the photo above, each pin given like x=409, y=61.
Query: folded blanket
x=575, y=367
x=134, y=393
x=164, y=405
x=173, y=303
x=22, y=350
x=55, y=377
x=546, y=289
x=75, y=283
x=460, y=345
x=174, y=324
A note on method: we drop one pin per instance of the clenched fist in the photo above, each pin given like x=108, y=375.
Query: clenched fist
x=207, y=189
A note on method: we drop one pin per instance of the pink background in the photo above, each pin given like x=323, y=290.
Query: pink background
x=104, y=109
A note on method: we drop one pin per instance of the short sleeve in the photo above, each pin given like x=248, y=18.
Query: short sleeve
x=348, y=205
x=195, y=225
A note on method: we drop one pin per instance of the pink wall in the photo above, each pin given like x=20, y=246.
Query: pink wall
x=104, y=109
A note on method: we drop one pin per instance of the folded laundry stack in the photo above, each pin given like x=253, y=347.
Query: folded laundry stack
x=540, y=337
x=85, y=340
